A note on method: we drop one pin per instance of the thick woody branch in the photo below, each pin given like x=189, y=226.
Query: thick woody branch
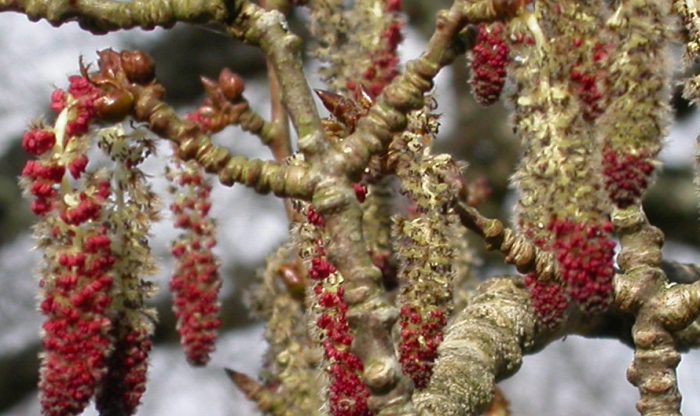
x=688, y=338
x=679, y=306
x=659, y=309
x=653, y=370
x=101, y=16
x=639, y=259
x=484, y=343
x=263, y=176
x=517, y=250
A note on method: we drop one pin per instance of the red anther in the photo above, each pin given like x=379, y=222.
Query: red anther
x=314, y=217
x=37, y=141
x=360, y=192
x=77, y=166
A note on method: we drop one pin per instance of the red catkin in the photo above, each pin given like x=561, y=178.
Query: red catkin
x=584, y=253
x=348, y=394
x=488, y=62
x=125, y=382
x=195, y=282
x=76, y=336
x=421, y=334
x=548, y=299
x=626, y=176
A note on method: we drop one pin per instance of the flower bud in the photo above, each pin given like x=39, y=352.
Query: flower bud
x=231, y=84
x=138, y=66
x=114, y=106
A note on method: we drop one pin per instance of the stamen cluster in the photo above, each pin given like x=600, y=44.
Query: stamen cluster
x=421, y=335
x=626, y=176
x=94, y=337
x=347, y=392
x=549, y=300
x=584, y=252
x=195, y=282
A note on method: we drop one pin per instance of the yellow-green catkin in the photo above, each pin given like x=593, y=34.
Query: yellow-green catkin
x=557, y=69
x=351, y=36
x=688, y=10
x=423, y=246
x=638, y=112
x=690, y=15
x=292, y=360
x=135, y=207
x=557, y=176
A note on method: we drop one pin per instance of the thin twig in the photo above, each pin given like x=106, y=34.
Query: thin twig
x=518, y=251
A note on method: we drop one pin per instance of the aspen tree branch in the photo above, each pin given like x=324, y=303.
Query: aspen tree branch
x=279, y=140
x=643, y=291
x=102, y=16
x=268, y=30
x=226, y=105
x=518, y=251
x=263, y=176
x=405, y=93
x=688, y=338
x=484, y=342
x=249, y=120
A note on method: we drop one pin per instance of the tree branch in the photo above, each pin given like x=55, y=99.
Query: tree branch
x=484, y=343
x=263, y=176
x=102, y=16
x=520, y=252
x=279, y=134
x=642, y=290
x=268, y=30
